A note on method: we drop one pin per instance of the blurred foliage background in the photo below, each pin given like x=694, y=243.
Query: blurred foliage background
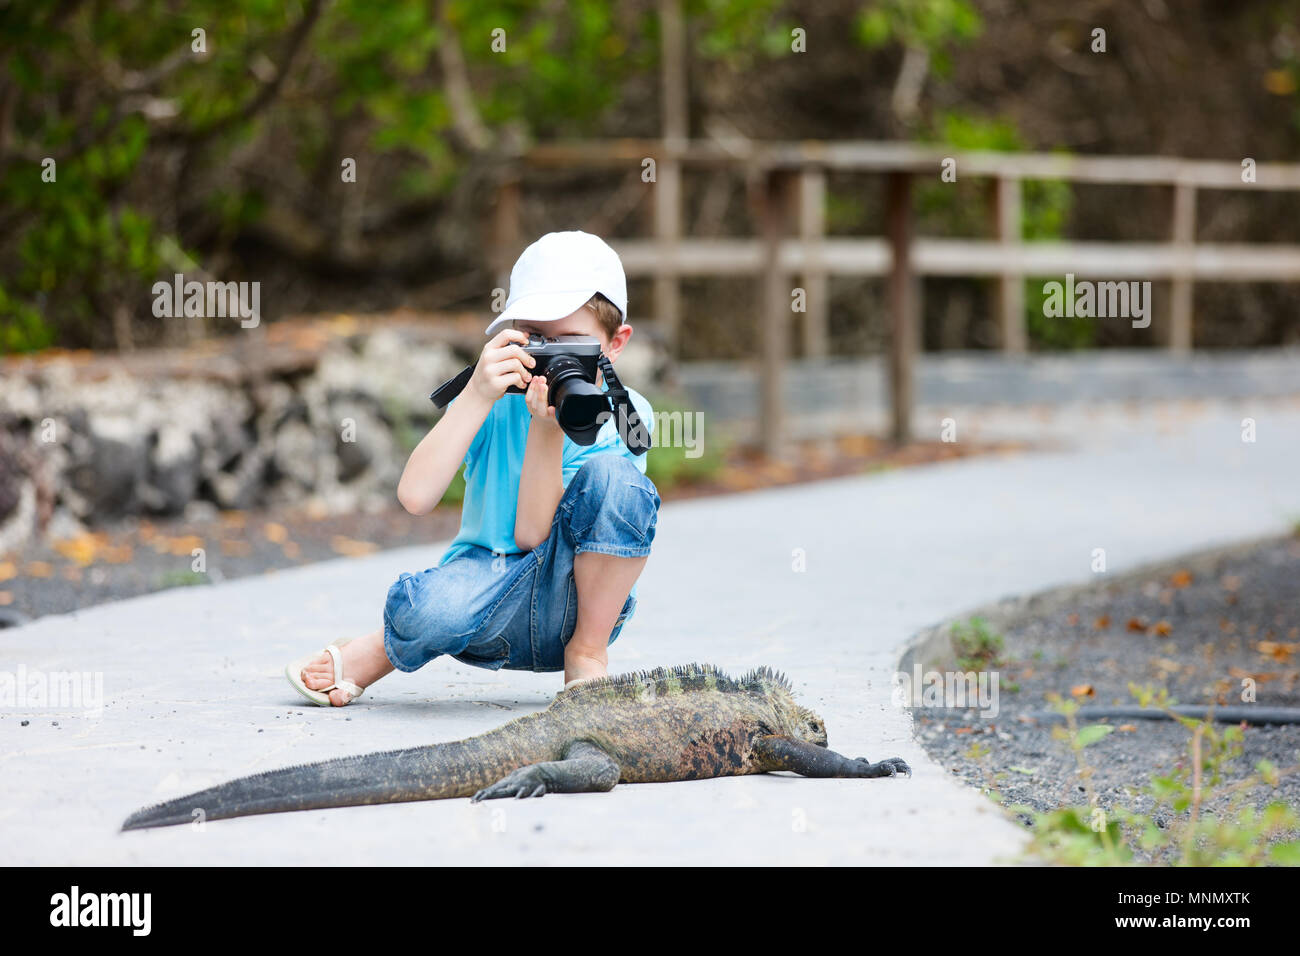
x=221, y=158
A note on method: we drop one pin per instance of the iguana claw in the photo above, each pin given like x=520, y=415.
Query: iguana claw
x=889, y=767
x=522, y=783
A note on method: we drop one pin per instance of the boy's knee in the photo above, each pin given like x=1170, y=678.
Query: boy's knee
x=611, y=485
x=614, y=482
x=600, y=470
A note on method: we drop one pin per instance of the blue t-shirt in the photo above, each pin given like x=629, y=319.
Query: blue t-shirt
x=496, y=458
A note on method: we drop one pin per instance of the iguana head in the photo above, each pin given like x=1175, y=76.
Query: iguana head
x=808, y=726
x=791, y=718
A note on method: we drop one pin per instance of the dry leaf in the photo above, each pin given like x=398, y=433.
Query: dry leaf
x=1163, y=628
x=118, y=554
x=1181, y=579
x=6, y=597
x=1102, y=622
x=352, y=548
x=39, y=569
x=275, y=532
x=1126, y=728
x=1136, y=624
x=80, y=549
x=1083, y=690
x=1277, y=651
x=184, y=546
x=8, y=570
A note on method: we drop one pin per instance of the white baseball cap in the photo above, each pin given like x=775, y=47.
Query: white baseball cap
x=558, y=274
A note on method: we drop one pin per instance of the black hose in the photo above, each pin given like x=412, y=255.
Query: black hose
x=1226, y=715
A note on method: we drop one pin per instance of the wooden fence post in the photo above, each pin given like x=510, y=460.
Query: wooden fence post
x=668, y=170
x=668, y=230
x=505, y=230
x=774, y=203
x=816, y=283
x=1184, y=238
x=1011, y=285
x=898, y=220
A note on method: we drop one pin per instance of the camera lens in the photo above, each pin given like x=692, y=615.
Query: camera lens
x=578, y=402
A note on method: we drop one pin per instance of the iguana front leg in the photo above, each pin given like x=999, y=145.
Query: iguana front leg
x=809, y=760
x=585, y=769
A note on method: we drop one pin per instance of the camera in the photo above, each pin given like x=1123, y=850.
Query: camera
x=570, y=364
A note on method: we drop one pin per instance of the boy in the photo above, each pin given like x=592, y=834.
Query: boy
x=553, y=534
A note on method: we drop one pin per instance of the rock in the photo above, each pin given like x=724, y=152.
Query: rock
x=20, y=398
x=173, y=476
x=200, y=512
x=108, y=477
x=63, y=525
x=363, y=443
x=11, y=474
x=391, y=368
x=18, y=525
x=242, y=485
x=297, y=454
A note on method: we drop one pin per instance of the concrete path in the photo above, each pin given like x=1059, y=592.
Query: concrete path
x=194, y=693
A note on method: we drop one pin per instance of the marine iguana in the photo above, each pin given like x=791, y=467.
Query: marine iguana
x=681, y=723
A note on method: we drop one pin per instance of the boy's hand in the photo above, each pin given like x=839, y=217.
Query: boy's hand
x=503, y=363
x=536, y=398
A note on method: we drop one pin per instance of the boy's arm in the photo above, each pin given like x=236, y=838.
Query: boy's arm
x=541, y=484
x=439, y=455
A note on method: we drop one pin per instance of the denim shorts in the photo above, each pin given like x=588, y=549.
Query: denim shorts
x=519, y=610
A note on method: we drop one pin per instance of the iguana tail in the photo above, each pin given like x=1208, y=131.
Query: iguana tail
x=435, y=772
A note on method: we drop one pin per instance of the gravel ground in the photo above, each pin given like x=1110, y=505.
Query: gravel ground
x=1197, y=628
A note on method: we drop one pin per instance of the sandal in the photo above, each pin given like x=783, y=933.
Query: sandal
x=321, y=697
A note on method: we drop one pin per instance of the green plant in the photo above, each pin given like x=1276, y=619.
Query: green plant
x=181, y=579
x=669, y=466
x=1238, y=835
x=455, y=493
x=977, y=646
x=929, y=25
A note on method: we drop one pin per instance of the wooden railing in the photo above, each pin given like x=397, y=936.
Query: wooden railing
x=787, y=192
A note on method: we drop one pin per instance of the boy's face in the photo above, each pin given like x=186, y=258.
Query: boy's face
x=582, y=322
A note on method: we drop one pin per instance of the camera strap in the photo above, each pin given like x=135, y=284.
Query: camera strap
x=633, y=431
x=452, y=387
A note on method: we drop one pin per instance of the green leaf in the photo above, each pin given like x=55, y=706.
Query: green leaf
x=1087, y=736
x=1286, y=854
